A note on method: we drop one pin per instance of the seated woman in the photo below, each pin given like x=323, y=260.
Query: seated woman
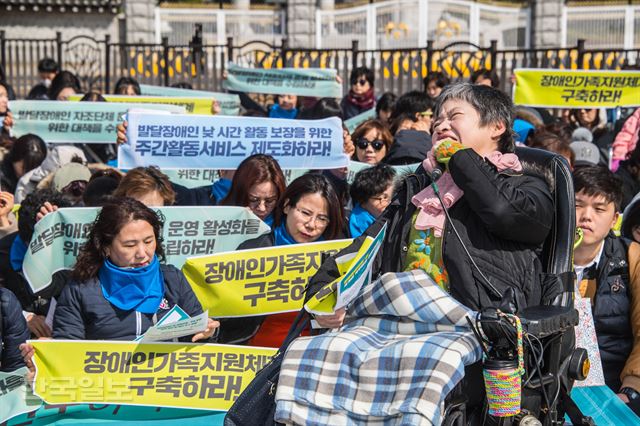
x=308, y=211
x=371, y=193
x=500, y=215
x=258, y=184
x=286, y=106
x=120, y=288
x=372, y=141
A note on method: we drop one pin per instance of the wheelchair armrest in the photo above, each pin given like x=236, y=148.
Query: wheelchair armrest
x=542, y=321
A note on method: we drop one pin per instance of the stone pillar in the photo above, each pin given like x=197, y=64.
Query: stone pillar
x=140, y=21
x=547, y=23
x=301, y=23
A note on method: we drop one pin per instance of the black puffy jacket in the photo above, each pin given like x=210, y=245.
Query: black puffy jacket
x=503, y=220
x=612, y=309
x=83, y=313
x=13, y=331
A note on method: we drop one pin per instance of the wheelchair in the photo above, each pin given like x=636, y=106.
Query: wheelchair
x=551, y=362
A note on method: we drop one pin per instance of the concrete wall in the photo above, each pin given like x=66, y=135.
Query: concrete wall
x=547, y=23
x=43, y=24
x=301, y=23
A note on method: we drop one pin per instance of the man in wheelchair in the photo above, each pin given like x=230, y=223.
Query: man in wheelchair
x=502, y=246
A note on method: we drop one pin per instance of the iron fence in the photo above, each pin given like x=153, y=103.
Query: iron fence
x=99, y=63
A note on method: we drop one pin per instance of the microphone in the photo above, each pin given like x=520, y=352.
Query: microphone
x=436, y=173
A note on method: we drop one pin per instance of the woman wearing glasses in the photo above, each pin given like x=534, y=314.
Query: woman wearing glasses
x=360, y=97
x=308, y=211
x=372, y=141
x=258, y=184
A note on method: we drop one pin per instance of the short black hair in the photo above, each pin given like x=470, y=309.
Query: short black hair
x=387, y=102
x=48, y=65
x=30, y=207
x=124, y=82
x=598, y=181
x=371, y=181
x=440, y=78
x=488, y=74
x=362, y=71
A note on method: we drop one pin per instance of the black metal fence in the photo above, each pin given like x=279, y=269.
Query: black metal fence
x=99, y=63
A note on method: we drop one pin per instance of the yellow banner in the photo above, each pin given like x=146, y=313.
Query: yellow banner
x=576, y=88
x=203, y=106
x=256, y=282
x=179, y=375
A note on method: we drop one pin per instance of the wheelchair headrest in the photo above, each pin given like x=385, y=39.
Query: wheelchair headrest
x=557, y=254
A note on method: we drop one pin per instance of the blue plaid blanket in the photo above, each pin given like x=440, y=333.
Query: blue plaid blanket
x=402, y=349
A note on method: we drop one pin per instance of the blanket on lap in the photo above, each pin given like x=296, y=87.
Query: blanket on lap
x=402, y=349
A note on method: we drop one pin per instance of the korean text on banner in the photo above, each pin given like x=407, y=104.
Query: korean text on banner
x=179, y=375
x=577, y=88
x=290, y=81
x=193, y=178
x=188, y=231
x=116, y=414
x=257, y=282
x=199, y=142
x=15, y=395
x=355, y=273
x=229, y=103
x=75, y=122
x=192, y=105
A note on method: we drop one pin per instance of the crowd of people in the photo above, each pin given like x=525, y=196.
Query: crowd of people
x=120, y=285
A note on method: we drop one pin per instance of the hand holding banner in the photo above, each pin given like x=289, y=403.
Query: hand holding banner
x=315, y=82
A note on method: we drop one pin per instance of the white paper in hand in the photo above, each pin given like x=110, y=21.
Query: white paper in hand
x=172, y=330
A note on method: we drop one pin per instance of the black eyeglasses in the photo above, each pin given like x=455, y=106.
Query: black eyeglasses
x=363, y=144
x=361, y=82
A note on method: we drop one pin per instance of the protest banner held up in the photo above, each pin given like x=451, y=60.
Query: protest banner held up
x=177, y=141
x=284, y=81
x=577, y=88
x=192, y=105
x=188, y=231
x=355, y=272
x=71, y=122
x=178, y=375
x=256, y=282
x=229, y=103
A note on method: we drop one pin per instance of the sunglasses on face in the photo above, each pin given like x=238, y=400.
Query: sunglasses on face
x=363, y=144
x=361, y=82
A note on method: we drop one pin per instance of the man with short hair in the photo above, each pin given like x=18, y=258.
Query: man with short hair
x=47, y=70
x=608, y=273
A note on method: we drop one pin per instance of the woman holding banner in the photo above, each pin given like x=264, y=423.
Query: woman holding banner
x=119, y=286
x=308, y=211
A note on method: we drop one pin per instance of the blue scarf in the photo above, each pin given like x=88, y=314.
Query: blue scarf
x=269, y=220
x=17, y=253
x=141, y=289
x=277, y=112
x=220, y=189
x=359, y=221
x=282, y=237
